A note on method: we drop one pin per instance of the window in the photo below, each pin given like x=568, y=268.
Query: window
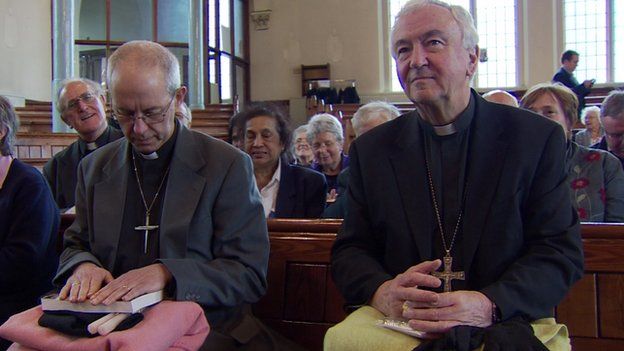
x=227, y=50
x=593, y=30
x=103, y=25
x=497, y=27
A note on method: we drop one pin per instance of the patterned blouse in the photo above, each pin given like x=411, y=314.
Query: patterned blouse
x=597, y=184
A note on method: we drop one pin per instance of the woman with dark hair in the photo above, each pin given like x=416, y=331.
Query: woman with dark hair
x=595, y=176
x=287, y=191
x=29, y=222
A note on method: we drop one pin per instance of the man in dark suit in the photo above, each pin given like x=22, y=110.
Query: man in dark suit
x=166, y=208
x=612, y=121
x=81, y=103
x=287, y=191
x=569, y=62
x=476, y=185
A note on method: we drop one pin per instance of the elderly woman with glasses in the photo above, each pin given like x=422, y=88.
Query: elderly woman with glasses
x=595, y=176
x=593, y=131
x=326, y=137
x=29, y=222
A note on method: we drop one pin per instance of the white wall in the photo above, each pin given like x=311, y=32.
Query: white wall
x=25, y=47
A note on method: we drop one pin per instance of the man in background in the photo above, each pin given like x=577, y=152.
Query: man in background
x=501, y=97
x=365, y=118
x=612, y=120
x=81, y=103
x=569, y=62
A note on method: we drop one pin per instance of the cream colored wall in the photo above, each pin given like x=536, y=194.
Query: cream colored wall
x=343, y=33
x=25, y=59
x=542, y=41
x=308, y=25
x=300, y=33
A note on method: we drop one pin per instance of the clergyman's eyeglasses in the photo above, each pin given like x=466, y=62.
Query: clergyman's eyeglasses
x=151, y=117
x=87, y=98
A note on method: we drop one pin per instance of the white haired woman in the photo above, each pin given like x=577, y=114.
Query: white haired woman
x=593, y=131
x=326, y=138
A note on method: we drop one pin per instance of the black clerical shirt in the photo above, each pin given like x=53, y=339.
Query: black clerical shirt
x=447, y=157
x=130, y=254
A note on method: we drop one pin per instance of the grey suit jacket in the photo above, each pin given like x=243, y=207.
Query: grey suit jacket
x=213, y=235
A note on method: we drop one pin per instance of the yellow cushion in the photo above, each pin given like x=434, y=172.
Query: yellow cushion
x=358, y=332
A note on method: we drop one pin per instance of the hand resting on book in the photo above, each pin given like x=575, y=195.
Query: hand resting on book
x=89, y=281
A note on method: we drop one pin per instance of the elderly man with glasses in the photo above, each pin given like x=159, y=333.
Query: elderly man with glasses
x=167, y=208
x=81, y=103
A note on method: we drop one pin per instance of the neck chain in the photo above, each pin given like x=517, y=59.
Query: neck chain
x=148, y=209
x=447, y=274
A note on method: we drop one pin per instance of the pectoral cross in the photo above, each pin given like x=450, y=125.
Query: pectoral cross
x=146, y=228
x=447, y=274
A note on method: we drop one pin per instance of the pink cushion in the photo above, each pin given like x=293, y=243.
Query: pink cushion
x=169, y=325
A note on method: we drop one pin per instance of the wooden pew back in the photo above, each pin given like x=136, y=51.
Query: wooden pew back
x=36, y=143
x=302, y=301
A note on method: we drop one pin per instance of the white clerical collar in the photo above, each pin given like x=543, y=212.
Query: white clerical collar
x=150, y=156
x=92, y=146
x=445, y=130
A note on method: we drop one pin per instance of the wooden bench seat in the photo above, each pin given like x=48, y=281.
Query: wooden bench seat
x=302, y=301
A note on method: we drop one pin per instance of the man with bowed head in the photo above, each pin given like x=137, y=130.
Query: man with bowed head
x=167, y=208
x=459, y=220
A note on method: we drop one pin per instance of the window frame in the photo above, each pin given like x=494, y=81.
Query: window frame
x=610, y=52
x=388, y=61
x=242, y=62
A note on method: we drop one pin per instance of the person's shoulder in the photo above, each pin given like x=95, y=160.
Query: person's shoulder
x=305, y=172
x=211, y=144
x=560, y=74
x=104, y=151
x=516, y=118
x=97, y=159
x=115, y=133
x=28, y=173
x=387, y=132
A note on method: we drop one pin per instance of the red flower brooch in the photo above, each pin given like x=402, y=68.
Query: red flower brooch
x=593, y=156
x=580, y=183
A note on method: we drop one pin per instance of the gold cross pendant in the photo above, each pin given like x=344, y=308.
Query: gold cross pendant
x=447, y=274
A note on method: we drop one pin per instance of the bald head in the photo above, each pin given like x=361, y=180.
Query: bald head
x=501, y=97
x=143, y=54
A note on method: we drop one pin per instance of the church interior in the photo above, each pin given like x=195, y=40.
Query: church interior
x=311, y=57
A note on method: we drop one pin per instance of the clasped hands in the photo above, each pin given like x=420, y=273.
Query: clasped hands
x=427, y=311
x=96, y=284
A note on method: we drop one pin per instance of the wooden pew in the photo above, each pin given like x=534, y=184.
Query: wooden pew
x=302, y=293
x=302, y=301
x=36, y=143
x=36, y=148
